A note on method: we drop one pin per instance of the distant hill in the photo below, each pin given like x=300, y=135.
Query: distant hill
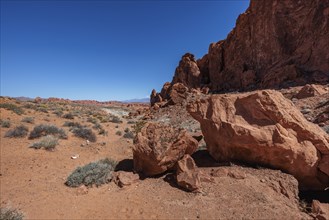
x=144, y=100
x=23, y=98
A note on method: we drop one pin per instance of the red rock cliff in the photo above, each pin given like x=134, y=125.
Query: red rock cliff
x=275, y=43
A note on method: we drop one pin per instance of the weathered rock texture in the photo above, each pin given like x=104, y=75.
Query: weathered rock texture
x=264, y=128
x=275, y=43
x=158, y=147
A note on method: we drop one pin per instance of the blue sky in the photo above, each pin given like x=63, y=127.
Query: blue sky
x=104, y=50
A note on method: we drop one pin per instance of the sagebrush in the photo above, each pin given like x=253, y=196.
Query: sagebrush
x=19, y=131
x=95, y=173
x=48, y=142
x=44, y=130
x=85, y=133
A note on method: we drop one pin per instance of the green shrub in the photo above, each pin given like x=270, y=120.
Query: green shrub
x=48, y=142
x=118, y=133
x=12, y=107
x=68, y=116
x=19, y=131
x=28, y=120
x=85, y=133
x=95, y=173
x=43, y=130
x=10, y=214
x=5, y=123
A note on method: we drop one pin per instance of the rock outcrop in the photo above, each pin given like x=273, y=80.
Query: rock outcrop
x=274, y=44
x=264, y=128
x=158, y=147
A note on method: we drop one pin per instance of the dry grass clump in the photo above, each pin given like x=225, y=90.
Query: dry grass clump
x=68, y=116
x=10, y=214
x=48, y=142
x=95, y=173
x=28, y=120
x=5, y=123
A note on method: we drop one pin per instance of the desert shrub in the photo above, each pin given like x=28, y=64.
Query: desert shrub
x=138, y=126
x=48, y=142
x=95, y=173
x=117, y=126
x=19, y=131
x=115, y=119
x=68, y=116
x=92, y=120
x=84, y=133
x=59, y=113
x=41, y=109
x=10, y=214
x=5, y=123
x=43, y=130
x=129, y=135
x=28, y=120
x=12, y=107
x=72, y=124
x=131, y=122
x=97, y=126
x=119, y=133
x=102, y=131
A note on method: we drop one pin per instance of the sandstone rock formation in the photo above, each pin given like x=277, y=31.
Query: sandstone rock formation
x=274, y=44
x=186, y=174
x=264, y=128
x=170, y=95
x=158, y=147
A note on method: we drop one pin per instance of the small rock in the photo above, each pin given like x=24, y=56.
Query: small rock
x=122, y=178
x=236, y=174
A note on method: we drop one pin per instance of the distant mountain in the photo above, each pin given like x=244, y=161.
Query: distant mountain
x=23, y=98
x=144, y=100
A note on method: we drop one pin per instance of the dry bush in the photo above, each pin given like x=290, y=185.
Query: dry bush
x=95, y=173
x=12, y=107
x=48, y=142
x=84, y=133
x=43, y=130
x=10, y=214
x=19, y=131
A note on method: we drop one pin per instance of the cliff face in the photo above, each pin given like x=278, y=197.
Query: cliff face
x=275, y=43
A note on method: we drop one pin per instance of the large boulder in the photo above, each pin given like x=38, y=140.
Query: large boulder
x=264, y=128
x=158, y=147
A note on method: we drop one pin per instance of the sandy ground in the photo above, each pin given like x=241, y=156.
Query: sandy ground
x=33, y=182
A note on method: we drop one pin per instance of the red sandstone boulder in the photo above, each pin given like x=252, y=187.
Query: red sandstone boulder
x=186, y=174
x=311, y=91
x=178, y=94
x=158, y=147
x=264, y=128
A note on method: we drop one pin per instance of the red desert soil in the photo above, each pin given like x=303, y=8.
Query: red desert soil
x=33, y=182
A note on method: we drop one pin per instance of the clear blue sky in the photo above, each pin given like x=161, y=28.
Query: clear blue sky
x=104, y=50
